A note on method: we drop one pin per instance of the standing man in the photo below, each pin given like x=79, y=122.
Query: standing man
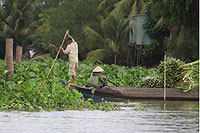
x=72, y=51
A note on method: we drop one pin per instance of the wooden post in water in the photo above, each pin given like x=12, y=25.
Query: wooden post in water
x=164, y=77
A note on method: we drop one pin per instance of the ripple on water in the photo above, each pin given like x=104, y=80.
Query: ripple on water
x=173, y=116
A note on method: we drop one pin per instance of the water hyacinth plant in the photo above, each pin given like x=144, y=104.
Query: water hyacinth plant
x=22, y=90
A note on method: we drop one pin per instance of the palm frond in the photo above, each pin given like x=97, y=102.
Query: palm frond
x=3, y=14
x=21, y=22
x=110, y=26
x=106, y=6
x=100, y=17
x=143, y=7
x=21, y=4
x=112, y=45
x=122, y=6
x=101, y=6
x=17, y=13
x=14, y=4
x=126, y=26
x=197, y=62
x=6, y=29
x=102, y=23
x=13, y=16
x=115, y=19
x=10, y=20
x=28, y=7
x=134, y=9
x=115, y=30
x=33, y=24
x=25, y=31
x=181, y=36
x=97, y=54
x=28, y=11
x=92, y=37
x=159, y=23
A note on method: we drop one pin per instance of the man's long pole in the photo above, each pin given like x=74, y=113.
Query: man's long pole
x=54, y=60
x=112, y=83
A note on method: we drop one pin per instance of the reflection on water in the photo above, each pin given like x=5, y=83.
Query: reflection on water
x=173, y=116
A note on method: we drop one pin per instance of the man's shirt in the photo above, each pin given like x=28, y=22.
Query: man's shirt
x=72, y=51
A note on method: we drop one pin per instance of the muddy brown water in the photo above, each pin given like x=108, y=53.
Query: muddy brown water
x=152, y=117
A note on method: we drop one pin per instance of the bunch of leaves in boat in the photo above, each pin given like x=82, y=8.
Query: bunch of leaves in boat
x=173, y=72
x=173, y=75
x=190, y=75
x=151, y=81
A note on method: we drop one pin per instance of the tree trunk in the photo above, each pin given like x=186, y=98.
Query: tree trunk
x=129, y=56
x=135, y=54
x=9, y=56
x=19, y=50
x=115, y=59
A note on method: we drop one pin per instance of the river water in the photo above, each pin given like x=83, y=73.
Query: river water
x=134, y=117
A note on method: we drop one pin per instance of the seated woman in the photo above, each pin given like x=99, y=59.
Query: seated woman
x=96, y=80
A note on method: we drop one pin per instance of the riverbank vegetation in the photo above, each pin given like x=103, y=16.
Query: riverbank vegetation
x=22, y=90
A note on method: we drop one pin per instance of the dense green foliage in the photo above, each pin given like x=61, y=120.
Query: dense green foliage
x=57, y=17
x=176, y=13
x=22, y=91
x=111, y=35
x=18, y=19
x=182, y=17
x=51, y=20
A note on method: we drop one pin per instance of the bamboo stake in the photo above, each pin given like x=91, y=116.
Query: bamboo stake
x=165, y=77
x=54, y=59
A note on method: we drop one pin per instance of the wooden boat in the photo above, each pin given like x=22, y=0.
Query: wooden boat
x=136, y=93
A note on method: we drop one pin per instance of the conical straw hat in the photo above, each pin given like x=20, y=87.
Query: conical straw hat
x=98, y=69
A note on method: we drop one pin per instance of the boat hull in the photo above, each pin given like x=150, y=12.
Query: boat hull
x=137, y=93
